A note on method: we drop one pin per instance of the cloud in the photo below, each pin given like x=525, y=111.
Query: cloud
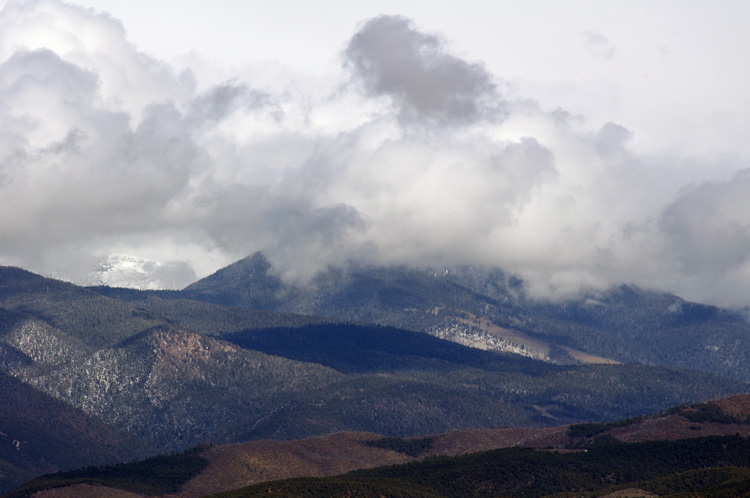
x=223, y=100
x=599, y=45
x=612, y=138
x=392, y=58
x=105, y=150
x=128, y=80
x=79, y=164
x=707, y=235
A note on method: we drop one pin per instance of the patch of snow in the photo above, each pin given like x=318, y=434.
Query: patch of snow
x=134, y=272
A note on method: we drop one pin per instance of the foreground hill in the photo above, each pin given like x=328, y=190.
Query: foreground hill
x=486, y=308
x=713, y=466
x=584, y=464
x=608, y=464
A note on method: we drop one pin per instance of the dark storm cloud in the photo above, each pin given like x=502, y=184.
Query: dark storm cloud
x=327, y=234
x=298, y=237
x=708, y=227
x=392, y=58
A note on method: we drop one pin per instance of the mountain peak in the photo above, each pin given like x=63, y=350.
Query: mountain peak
x=247, y=282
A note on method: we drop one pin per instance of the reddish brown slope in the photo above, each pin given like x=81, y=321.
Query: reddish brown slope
x=723, y=417
x=236, y=465
x=86, y=491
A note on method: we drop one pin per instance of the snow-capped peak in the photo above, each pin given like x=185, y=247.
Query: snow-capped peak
x=134, y=272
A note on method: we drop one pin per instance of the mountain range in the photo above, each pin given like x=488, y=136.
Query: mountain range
x=488, y=308
x=242, y=355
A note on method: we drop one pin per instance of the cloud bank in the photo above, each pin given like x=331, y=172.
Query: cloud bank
x=418, y=156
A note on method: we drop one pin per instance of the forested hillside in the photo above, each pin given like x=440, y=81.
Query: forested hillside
x=488, y=308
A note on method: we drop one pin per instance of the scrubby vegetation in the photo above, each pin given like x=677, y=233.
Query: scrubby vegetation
x=346, y=487
x=156, y=475
x=590, y=429
x=412, y=446
x=701, y=466
x=706, y=412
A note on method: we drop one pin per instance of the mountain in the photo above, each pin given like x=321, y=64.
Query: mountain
x=75, y=312
x=487, y=308
x=176, y=388
x=171, y=372
x=619, y=446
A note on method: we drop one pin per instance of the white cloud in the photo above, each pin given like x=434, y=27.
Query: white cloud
x=599, y=45
x=415, y=155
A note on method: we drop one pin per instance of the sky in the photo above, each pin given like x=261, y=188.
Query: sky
x=576, y=144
